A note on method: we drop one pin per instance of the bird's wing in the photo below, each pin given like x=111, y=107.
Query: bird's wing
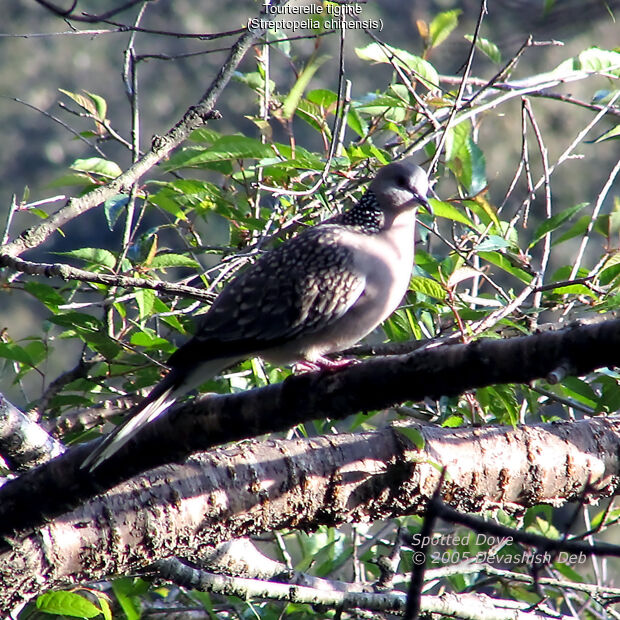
x=298, y=288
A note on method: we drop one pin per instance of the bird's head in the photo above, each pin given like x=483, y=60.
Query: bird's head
x=401, y=185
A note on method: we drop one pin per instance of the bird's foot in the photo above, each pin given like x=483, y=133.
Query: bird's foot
x=322, y=363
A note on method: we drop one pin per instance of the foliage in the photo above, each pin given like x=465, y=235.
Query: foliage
x=476, y=256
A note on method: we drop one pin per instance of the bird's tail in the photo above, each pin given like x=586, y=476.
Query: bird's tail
x=160, y=398
x=180, y=380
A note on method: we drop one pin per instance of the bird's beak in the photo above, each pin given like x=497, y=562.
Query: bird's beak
x=425, y=203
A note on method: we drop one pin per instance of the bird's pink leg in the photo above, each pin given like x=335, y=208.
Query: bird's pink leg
x=322, y=363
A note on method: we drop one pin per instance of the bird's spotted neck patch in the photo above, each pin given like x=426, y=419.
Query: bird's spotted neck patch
x=366, y=215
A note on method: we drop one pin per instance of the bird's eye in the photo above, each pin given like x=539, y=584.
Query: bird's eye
x=401, y=182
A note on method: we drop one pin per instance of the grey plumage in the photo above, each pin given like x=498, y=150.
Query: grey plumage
x=320, y=292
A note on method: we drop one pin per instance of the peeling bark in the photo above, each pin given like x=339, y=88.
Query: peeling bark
x=254, y=487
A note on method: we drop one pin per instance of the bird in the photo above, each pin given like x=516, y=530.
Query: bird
x=319, y=292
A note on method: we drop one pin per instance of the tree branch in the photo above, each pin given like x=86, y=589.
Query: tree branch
x=375, y=384
x=256, y=487
x=67, y=272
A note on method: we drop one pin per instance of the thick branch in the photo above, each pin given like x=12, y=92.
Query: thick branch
x=61, y=485
x=258, y=487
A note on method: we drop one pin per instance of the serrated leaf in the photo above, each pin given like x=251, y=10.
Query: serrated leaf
x=67, y=604
x=555, y=221
x=428, y=287
x=488, y=48
x=421, y=68
x=97, y=165
x=442, y=25
x=162, y=261
x=96, y=256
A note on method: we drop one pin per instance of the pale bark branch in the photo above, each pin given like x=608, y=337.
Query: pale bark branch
x=23, y=442
x=373, y=385
x=464, y=605
x=256, y=487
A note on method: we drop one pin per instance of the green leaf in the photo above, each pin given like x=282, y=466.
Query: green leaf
x=428, y=287
x=453, y=421
x=465, y=158
x=101, y=106
x=97, y=165
x=292, y=99
x=145, y=298
x=357, y=123
x=93, y=104
x=448, y=211
x=322, y=97
x=579, y=390
x=89, y=329
x=493, y=242
x=610, y=270
x=488, y=48
x=163, y=261
x=610, y=395
x=501, y=261
x=442, y=25
x=612, y=134
x=578, y=228
x=94, y=256
x=224, y=149
x=149, y=340
x=413, y=435
x=593, y=60
x=555, y=221
x=45, y=294
x=422, y=69
x=67, y=604
x=113, y=207
x=12, y=351
x=127, y=593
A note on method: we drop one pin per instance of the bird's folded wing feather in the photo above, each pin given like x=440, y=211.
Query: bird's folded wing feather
x=294, y=290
